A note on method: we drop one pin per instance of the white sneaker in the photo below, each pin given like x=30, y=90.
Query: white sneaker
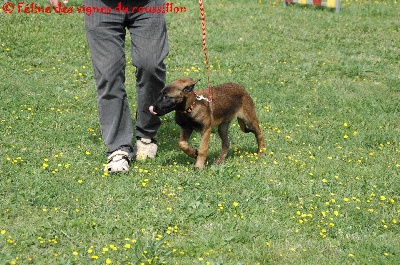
x=118, y=161
x=145, y=148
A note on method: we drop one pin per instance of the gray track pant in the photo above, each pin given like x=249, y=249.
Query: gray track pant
x=106, y=37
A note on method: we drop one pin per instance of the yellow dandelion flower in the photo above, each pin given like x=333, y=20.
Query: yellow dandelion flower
x=336, y=213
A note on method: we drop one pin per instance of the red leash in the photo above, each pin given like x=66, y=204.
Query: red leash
x=203, y=29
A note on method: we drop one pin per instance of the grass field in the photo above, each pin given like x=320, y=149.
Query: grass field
x=327, y=92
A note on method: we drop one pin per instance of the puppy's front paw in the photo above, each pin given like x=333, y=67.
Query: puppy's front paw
x=218, y=161
x=198, y=166
x=193, y=154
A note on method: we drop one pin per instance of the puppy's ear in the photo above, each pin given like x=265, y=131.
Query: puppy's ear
x=190, y=87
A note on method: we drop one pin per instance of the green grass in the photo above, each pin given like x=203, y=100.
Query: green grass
x=327, y=91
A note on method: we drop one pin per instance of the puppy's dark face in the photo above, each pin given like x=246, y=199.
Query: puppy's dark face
x=169, y=100
x=173, y=97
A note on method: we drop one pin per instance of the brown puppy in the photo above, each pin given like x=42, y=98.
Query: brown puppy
x=193, y=111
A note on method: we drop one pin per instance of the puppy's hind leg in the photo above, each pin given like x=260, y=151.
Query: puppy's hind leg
x=248, y=122
x=223, y=134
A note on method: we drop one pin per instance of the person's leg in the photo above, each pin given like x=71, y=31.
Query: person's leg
x=149, y=49
x=106, y=36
